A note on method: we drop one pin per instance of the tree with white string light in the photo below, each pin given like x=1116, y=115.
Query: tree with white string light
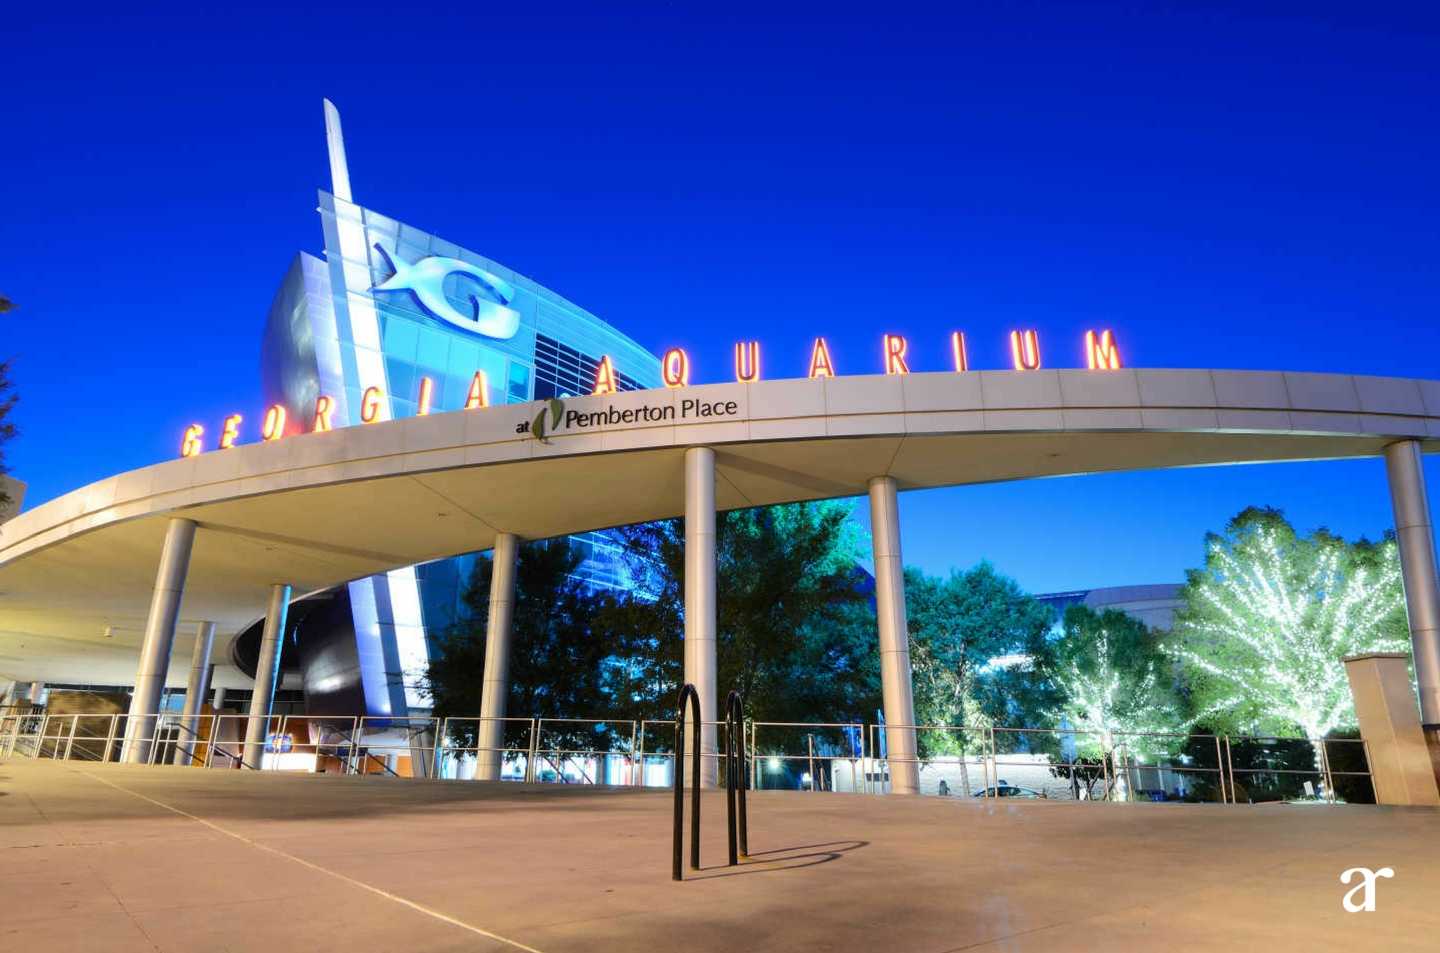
x=1267, y=621
x=1114, y=686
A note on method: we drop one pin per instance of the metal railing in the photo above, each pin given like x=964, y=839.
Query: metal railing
x=777, y=758
x=960, y=761
x=519, y=756
x=655, y=754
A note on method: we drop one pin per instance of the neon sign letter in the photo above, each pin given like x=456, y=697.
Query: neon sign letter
x=675, y=368
x=370, y=405
x=820, y=363
x=273, y=427
x=1025, y=350
x=895, y=355
x=1101, y=354
x=190, y=443
x=605, y=378
x=427, y=390
x=324, y=408
x=479, y=395
x=230, y=432
x=747, y=361
x=957, y=350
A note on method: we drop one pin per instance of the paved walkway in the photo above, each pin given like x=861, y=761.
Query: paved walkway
x=130, y=858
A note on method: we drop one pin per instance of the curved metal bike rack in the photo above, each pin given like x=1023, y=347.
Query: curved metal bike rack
x=734, y=779
x=687, y=692
x=735, y=775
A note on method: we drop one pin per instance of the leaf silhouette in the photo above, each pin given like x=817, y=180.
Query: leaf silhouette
x=557, y=408
x=538, y=427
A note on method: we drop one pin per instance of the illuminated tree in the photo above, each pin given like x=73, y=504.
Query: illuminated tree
x=1115, y=686
x=1267, y=621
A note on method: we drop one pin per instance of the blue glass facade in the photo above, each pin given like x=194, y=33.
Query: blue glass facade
x=388, y=306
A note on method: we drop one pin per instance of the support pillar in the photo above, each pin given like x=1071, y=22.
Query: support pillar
x=700, y=665
x=1400, y=766
x=159, y=638
x=495, y=688
x=1417, y=567
x=197, y=689
x=895, y=679
x=267, y=672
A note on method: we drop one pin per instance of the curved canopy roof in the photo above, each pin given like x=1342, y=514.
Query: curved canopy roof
x=319, y=509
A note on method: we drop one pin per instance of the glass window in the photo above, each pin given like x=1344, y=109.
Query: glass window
x=433, y=351
x=403, y=380
x=519, y=381
x=464, y=358
x=401, y=338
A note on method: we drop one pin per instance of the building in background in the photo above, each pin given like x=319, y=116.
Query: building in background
x=394, y=322
x=1154, y=605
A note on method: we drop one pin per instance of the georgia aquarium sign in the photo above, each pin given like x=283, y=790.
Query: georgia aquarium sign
x=425, y=278
x=425, y=281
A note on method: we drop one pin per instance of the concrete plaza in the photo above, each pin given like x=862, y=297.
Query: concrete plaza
x=131, y=858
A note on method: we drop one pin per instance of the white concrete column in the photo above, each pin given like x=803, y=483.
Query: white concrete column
x=38, y=693
x=495, y=687
x=1400, y=766
x=700, y=665
x=267, y=672
x=1417, y=566
x=159, y=637
x=895, y=679
x=219, y=703
x=195, y=691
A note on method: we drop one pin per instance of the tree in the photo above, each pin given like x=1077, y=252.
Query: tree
x=1266, y=622
x=7, y=427
x=558, y=668
x=1112, y=678
x=959, y=627
x=793, y=630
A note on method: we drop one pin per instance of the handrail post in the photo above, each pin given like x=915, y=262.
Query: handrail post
x=1220, y=771
x=1230, y=770
x=1326, y=775
x=531, y=756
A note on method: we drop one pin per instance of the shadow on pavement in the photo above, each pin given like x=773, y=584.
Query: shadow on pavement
x=776, y=864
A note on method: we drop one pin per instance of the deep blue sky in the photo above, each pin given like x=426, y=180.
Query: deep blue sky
x=1225, y=188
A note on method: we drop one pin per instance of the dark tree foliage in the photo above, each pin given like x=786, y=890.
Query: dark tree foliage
x=795, y=629
x=557, y=669
x=7, y=426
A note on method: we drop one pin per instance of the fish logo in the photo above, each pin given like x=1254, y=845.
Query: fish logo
x=425, y=280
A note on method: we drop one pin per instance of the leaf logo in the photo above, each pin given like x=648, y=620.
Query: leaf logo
x=556, y=406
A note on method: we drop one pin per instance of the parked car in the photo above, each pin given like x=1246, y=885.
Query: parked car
x=1008, y=790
